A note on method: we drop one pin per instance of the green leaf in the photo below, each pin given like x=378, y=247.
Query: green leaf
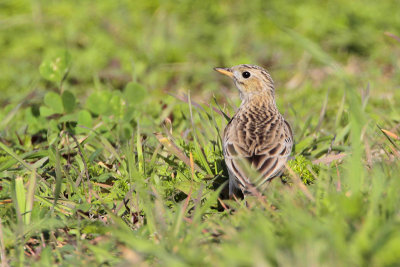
x=188, y=187
x=68, y=118
x=84, y=119
x=116, y=105
x=54, y=68
x=69, y=102
x=45, y=111
x=85, y=207
x=134, y=93
x=102, y=177
x=54, y=101
x=98, y=102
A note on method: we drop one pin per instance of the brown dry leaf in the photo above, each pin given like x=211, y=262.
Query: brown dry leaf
x=390, y=134
x=107, y=186
x=5, y=201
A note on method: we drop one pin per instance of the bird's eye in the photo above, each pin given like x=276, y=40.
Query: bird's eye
x=246, y=74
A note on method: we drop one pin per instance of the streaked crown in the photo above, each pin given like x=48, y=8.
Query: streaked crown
x=249, y=79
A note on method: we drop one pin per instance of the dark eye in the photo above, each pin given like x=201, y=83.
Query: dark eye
x=246, y=74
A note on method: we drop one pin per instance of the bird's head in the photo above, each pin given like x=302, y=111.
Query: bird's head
x=250, y=80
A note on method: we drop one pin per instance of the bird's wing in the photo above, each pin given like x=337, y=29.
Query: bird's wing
x=264, y=148
x=234, y=152
x=271, y=158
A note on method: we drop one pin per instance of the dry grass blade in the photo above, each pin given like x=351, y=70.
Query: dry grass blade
x=390, y=134
x=393, y=147
x=395, y=151
x=174, y=149
x=5, y=201
x=105, y=186
x=222, y=204
x=330, y=158
x=397, y=38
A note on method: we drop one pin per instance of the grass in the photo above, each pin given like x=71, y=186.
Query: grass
x=111, y=123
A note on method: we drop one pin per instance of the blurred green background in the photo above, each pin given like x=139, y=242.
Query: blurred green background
x=169, y=45
x=337, y=76
x=172, y=46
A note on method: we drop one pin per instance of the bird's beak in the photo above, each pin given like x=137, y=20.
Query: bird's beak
x=225, y=71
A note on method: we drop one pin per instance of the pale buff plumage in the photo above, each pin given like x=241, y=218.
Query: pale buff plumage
x=257, y=141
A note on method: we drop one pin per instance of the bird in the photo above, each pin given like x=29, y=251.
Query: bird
x=257, y=141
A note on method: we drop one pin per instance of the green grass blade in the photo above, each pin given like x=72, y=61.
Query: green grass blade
x=55, y=154
x=15, y=156
x=20, y=194
x=30, y=197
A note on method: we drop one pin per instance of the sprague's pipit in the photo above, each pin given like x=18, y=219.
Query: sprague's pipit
x=258, y=140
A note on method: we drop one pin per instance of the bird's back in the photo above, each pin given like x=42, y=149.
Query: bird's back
x=257, y=142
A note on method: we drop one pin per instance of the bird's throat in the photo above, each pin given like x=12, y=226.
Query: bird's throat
x=266, y=99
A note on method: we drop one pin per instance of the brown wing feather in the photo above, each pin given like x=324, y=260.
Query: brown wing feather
x=263, y=138
x=232, y=152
